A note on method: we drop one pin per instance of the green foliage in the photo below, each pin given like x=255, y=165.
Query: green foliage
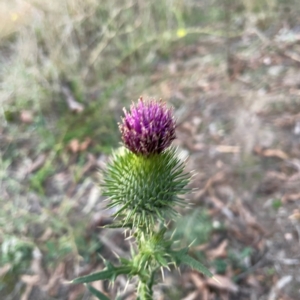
x=95, y=122
x=58, y=249
x=96, y=293
x=110, y=273
x=276, y=204
x=154, y=251
x=194, y=227
x=270, y=271
x=21, y=233
x=181, y=257
x=220, y=265
x=15, y=252
x=38, y=179
x=236, y=259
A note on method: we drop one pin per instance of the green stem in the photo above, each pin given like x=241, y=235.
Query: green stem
x=145, y=289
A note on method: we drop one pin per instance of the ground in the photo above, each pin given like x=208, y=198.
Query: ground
x=236, y=100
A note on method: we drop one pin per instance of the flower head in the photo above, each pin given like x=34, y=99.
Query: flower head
x=149, y=127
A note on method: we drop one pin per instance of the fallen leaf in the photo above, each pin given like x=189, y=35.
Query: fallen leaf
x=201, y=247
x=74, y=146
x=84, y=145
x=73, y=105
x=26, y=116
x=222, y=283
x=198, y=147
x=200, y=284
x=197, y=280
x=228, y=149
x=280, y=284
x=37, y=164
x=220, y=251
x=92, y=200
x=295, y=216
x=291, y=197
x=271, y=153
x=166, y=91
x=248, y=218
x=27, y=292
x=235, y=66
x=252, y=281
x=192, y=296
x=275, y=153
x=4, y=269
x=287, y=121
x=46, y=235
x=76, y=291
x=189, y=127
x=37, y=266
x=54, y=283
x=30, y=279
x=218, y=178
x=271, y=182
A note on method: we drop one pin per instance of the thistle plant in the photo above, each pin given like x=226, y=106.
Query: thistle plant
x=144, y=182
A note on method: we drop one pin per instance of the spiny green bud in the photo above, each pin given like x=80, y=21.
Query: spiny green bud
x=145, y=189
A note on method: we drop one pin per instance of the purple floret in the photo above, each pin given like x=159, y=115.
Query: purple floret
x=149, y=127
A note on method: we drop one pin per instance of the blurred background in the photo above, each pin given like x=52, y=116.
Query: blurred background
x=230, y=68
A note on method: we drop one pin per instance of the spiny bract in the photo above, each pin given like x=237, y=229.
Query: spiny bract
x=145, y=189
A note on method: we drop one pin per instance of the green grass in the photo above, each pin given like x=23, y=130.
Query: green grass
x=194, y=228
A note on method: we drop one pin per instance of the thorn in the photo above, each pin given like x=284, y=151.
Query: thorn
x=128, y=238
x=216, y=280
x=67, y=282
x=173, y=233
x=103, y=259
x=179, y=271
x=191, y=243
x=162, y=273
x=116, y=254
x=126, y=286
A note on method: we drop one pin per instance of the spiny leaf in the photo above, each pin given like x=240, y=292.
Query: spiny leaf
x=125, y=261
x=96, y=293
x=108, y=265
x=111, y=273
x=161, y=260
x=177, y=255
x=188, y=260
x=117, y=225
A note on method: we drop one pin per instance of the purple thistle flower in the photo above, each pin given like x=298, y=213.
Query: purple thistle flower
x=149, y=127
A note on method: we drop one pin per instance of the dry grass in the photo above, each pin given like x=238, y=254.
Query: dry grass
x=50, y=43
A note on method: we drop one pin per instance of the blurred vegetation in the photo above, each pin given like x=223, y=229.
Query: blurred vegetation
x=194, y=228
x=104, y=53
